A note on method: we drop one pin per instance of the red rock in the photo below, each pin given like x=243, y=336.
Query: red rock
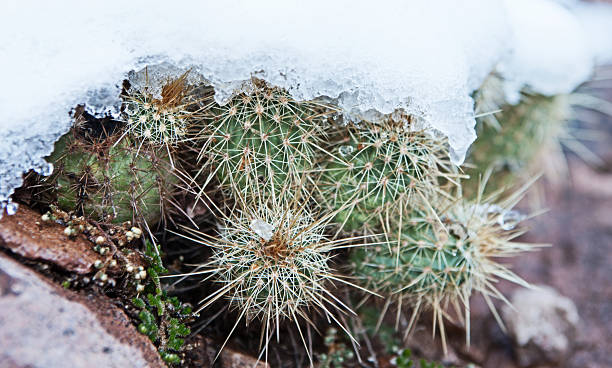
x=43, y=325
x=26, y=234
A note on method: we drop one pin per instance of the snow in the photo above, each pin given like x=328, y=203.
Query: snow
x=424, y=56
x=597, y=22
x=549, y=53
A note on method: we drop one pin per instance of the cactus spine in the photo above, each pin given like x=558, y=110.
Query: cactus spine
x=272, y=261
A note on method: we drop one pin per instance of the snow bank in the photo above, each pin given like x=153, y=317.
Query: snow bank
x=425, y=56
x=549, y=52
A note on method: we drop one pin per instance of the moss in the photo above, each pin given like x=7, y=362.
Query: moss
x=162, y=318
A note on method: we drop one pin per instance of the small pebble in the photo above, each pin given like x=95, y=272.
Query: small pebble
x=137, y=232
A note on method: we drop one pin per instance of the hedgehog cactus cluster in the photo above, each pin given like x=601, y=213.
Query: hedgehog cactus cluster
x=297, y=185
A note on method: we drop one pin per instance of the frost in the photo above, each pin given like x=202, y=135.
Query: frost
x=423, y=56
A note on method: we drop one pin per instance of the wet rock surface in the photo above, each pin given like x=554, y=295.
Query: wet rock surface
x=43, y=325
x=25, y=234
x=542, y=324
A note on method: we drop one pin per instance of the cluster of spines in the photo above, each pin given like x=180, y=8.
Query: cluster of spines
x=165, y=119
x=146, y=121
x=379, y=167
x=272, y=260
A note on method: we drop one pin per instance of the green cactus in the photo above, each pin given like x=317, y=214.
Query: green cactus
x=272, y=261
x=262, y=139
x=377, y=167
x=428, y=260
x=110, y=180
x=432, y=261
x=164, y=120
x=511, y=142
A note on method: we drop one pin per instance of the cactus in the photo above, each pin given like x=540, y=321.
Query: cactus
x=262, y=139
x=536, y=124
x=165, y=120
x=272, y=261
x=431, y=261
x=379, y=166
x=513, y=139
x=110, y=180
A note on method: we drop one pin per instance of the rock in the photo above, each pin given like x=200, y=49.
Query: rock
x=25, y=234
x=543, y=325
x=234, y=359
x=231, y=358
x=43, y=325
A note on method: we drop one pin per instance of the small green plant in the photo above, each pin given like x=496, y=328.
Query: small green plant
x=338, y=355
x=162, y=318
x=404, y=359
x=375, y=168
x=261, y=138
